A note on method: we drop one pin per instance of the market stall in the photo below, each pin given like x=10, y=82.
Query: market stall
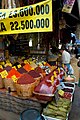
x=31, y=82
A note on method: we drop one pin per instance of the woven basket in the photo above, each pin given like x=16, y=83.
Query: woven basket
x=37, y=80
x=8, y=82
x=25, y=90
x=1, y=82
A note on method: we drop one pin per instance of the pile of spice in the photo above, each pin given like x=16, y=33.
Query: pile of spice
x=12, y=72
x=40, y=70
x=34, y=74
x=27, y=67
x=25, y=79
x=8, y=68
x=21, y=70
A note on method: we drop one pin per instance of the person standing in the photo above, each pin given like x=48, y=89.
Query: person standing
x=66, y=60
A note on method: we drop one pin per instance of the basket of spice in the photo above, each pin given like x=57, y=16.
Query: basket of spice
x=25, y=85
x=9, y=82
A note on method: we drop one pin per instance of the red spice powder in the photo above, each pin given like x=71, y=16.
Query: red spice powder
x=34, y=74
x=8, y=68
x=27, y=67
x=25, y=79
x=40, y=70
x=12, y=72
x=21, y=70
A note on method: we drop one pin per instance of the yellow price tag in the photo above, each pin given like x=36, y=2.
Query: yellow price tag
x=14, y=78
x=55, y=75
x=58, y=69
x=52, y=79
x=4, y=74
x=19, y=66
x=61, y=92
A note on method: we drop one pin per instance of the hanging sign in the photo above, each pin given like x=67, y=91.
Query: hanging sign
x=68, y=5
x=33, y=18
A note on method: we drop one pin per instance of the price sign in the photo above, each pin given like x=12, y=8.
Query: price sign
x=14, y=78
x=27, y=19
x=19, y=66
x=61, y=92
x=52, y=79
x=59, y=70
x=4, y=74
x=55, y=75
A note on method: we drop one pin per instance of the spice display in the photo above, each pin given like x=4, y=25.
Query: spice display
x=12, y=72
x=21, y=70
x=34, y=74
x=27, y=67
x=25, y=79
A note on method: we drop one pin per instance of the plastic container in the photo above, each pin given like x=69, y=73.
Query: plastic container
x=51, y=118
x=31, y=114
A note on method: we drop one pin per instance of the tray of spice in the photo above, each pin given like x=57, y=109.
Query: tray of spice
x=67, y=87
x=58, y=110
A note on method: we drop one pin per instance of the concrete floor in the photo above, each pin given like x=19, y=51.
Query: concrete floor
x=5, y=115
x=74, y=113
